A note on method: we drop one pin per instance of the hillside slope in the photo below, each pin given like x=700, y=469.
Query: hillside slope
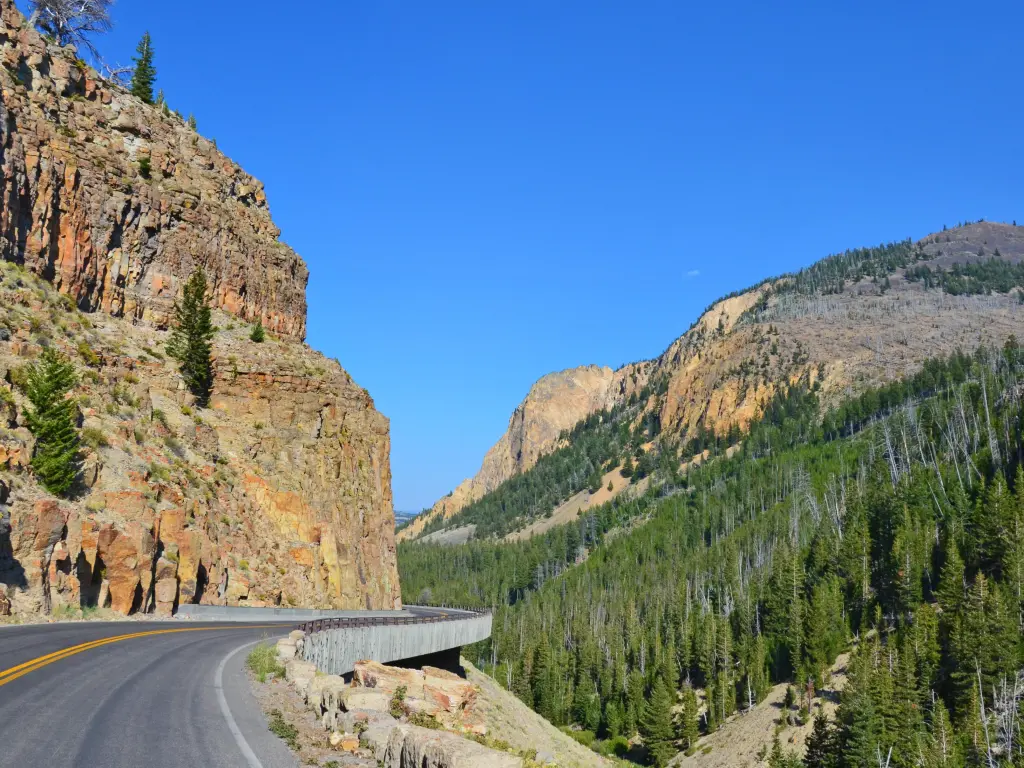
x=851, y=321
x=280, y=492
x=554, y=404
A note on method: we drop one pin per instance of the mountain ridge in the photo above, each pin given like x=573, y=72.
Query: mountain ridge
x=817, y=322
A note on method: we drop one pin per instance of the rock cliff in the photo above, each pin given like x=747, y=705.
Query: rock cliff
x=280, y=491
x=554, y=404
x=115, y=201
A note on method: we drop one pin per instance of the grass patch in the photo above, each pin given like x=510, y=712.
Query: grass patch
x=94, y=438
x=423, y=720
x=262, y=660
x=285, y=731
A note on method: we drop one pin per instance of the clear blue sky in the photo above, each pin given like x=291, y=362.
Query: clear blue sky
x=488, y=191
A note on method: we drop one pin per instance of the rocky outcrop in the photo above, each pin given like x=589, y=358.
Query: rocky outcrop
x=116, y=201
x=368, y=706
x=554, y=405
x=280, y=491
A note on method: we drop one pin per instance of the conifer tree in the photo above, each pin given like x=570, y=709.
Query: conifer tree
x=52, y=420
x=688, y=730
x=941, y=748
x=822, y=749
x=951, y=582
x=192, y=122
x=257, y=333
x=190, y=342
x=656, y=725
x=144, y=74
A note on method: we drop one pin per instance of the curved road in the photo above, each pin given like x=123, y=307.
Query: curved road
x=146, y=701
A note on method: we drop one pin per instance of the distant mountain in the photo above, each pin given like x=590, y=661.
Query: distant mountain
x=401, y=518
x=852, y=320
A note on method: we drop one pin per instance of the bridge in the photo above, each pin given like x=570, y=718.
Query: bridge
x=336, y=640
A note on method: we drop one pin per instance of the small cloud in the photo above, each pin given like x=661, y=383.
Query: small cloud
x=693, y=273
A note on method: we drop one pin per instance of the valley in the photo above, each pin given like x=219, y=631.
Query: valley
x=868, y=493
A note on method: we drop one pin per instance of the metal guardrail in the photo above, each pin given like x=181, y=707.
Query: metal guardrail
x=319, y=625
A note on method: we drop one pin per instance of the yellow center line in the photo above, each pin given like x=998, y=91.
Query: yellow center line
x=15, y=672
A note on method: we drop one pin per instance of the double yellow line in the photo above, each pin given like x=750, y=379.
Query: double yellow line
x=14, y=673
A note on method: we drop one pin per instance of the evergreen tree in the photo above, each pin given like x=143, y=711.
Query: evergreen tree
x=190, y=342
x=951, y=582
x=192, y=122
x=656, y=725
x=822, y=747
x=941, y=748
x=144, y=74
x=257, y=333
x=780, y=759
x=688, y=729
x=52, y=421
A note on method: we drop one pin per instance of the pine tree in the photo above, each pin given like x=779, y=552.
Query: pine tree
x=656, y=725
x=192, y=122
x=941, y=748
x=257, y=333
x=541, y=682
x=144, y=75
x=688, y=730
x=52, y=420
x=951, y=582
x=822, y=747
x=190, y=342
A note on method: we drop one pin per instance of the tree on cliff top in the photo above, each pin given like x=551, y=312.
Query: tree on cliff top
x=190, y=342
x=144, y=75
x=52, y=420
x=71, y=22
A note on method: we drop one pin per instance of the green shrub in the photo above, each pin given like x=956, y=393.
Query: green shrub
x=397, y=707
x=145, y=167
x=94, y=438
x=262, y=661
x=257, y=333
x=423, y=720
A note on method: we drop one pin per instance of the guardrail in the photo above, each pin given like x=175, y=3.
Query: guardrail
x=340, y=622
x=336, y=644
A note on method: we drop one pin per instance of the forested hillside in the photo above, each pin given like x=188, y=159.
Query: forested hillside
x=849, y=322
x=892, y=523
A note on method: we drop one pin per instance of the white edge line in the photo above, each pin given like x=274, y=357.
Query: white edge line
x=218, y=684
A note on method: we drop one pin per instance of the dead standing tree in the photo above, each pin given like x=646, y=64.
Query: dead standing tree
x=72, y=22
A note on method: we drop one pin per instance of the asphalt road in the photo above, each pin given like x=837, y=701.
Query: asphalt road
x=151, y=701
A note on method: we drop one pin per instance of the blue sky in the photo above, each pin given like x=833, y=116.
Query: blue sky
x=489, y=191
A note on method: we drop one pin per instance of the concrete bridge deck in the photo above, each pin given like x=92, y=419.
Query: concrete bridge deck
x=432, y=634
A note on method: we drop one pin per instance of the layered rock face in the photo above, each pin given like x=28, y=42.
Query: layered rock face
x=725, y=368
x=555, y=403
x=116, y=202
x=280, y=491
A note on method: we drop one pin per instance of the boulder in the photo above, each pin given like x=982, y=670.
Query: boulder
x=285, y=649
x=300, y=673
x=373, y=674
x=446, y=690
x=346, y=742
x=410, y=745
x=361, y=698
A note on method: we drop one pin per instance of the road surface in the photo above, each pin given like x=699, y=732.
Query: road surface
x=73, y=695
